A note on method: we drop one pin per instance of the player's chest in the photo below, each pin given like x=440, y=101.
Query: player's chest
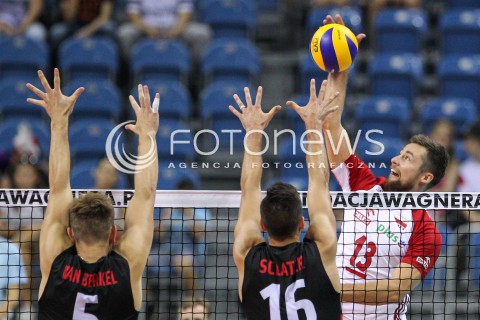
x=390, y=231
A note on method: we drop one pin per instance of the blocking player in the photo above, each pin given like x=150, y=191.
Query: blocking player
x=286, y=278
x=382, y=254
x=86, y=273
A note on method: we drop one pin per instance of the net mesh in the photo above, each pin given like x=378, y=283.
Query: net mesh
x=192, y=250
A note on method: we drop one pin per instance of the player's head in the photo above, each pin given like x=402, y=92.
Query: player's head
x=194, y=308
x=281, y=212
x=420, y=165
x=106, y=176
x=91, y=219
x=25, y=176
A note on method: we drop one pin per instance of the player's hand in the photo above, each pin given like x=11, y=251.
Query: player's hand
x=147, y=114
x=57, y=105
x=251, y=115
x=338, y=19
x=317, y=108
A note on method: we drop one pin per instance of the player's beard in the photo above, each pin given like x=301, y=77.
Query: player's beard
x=398, y=185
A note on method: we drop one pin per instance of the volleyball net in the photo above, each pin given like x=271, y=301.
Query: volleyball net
x=192, y=249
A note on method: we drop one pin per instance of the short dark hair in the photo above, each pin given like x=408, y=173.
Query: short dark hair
x=281, y=211
x=436, y=159
x=91, y=217
x=474, y=131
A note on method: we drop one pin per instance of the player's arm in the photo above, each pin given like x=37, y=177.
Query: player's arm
x=322, y=221
x=136, y=240
x=247, y=230
x=53, y=234
x=405, y=278
x=69, y=9
x=34, y=11
x=337, y=140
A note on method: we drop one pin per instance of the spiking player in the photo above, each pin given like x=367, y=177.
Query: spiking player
x=286, y=278
x=382, y=254
x=86, y=273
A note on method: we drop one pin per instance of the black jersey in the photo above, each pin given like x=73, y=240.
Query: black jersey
x=288, y=282
x=79, y=290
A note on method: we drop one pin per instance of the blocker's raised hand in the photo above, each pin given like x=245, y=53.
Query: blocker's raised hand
x=53, y=100
x=317, y=108
x=251, y=115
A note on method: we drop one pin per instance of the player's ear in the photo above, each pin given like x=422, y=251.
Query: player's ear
x=71, y=235
x=112, y=238
x=426, y=178
x=301, y=223
x=264, y=229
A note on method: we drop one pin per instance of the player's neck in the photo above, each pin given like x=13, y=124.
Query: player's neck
x=285, y=242
x=92, y=252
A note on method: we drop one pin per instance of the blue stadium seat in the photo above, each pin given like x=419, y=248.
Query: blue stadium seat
x=461, y=112
x=88, y=138
x=459, y=30
x=463, y=4
x=175, y=100
x=82, y=176
x=292, y=158
x=352, y=16
x=268, y=5
x=230, y=60
x=9, y=129
x=160, y=60
x=459, y=77
x=167, y=149
x=13, y=104
x=377, y=160
x=229, y=18
x=395, y=75
x=101, y=99
x=169, y=177
x=400, y=30
x=20, y=58
x=91, y=58
x=214, y=102
x=388, y=114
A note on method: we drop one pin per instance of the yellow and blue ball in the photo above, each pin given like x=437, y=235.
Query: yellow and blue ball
x=334, y=47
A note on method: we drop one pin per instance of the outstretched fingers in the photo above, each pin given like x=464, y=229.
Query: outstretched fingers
x=77, y=94
x=323, y=89
x=235, y=111
x=35, y=90
x=40, y=103
x=44, y=81
x=258, y=99
x=248, y=97
x=56, y=79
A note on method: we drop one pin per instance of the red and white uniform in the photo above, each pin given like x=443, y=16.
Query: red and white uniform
x=374, y=242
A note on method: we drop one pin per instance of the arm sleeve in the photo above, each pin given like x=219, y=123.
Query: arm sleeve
x=425, y=243
x=354, y=175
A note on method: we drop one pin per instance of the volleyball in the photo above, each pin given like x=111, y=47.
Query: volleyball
x=334, y=47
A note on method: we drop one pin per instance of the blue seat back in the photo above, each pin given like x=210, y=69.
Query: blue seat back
x=230, y=60
x=459, y=30
x=160, y=61
x=461, y=112
x=90, y=58
x=400, y=30
x=388, y=114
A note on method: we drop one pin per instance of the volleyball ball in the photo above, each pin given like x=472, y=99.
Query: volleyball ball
x=334, y=47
